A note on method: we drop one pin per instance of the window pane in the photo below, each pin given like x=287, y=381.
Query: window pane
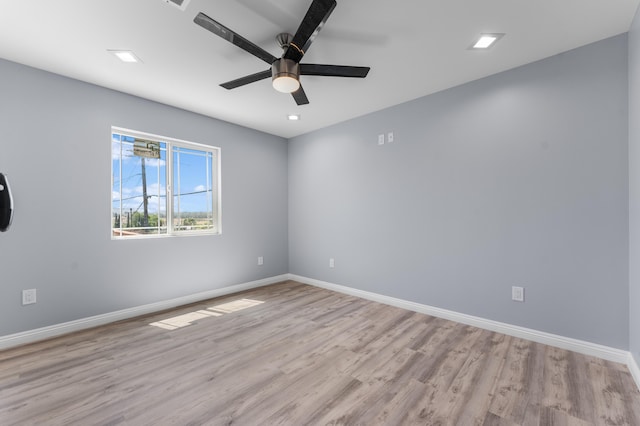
x=139, y=191
x=162, y=186
x=193, y=194
x=116, y=197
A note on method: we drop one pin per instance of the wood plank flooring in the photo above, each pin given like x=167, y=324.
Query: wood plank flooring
x=291, y=354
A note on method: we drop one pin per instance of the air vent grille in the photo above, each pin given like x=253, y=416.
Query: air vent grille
x=180, y=4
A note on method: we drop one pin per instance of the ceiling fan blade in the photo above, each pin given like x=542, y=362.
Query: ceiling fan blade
x=334, y=70
x=313, y=21
x=300, y=97
x=246, y=79
x=232, y=37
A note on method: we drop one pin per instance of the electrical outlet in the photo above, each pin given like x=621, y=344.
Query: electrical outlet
x=29, y=296
x=389, y=137
x=332, y=263
x=381, y=139
x=260, y=261
x=517, y=294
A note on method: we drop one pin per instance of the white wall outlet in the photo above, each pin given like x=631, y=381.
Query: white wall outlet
x=332, y=263
x=29, y=296
x=260, y=261
x=517, y=294
x=389, y=137
x=381, y=139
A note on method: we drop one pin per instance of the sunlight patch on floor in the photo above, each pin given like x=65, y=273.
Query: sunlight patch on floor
x=234, y=306
x=184, y=320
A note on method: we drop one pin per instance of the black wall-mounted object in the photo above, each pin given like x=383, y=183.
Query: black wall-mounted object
x=6, y=204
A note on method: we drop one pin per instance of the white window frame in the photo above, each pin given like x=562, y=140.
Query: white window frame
x=170, y=144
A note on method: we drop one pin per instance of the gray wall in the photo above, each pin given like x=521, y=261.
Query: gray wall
x=55, y=147
x=516, y=179
x=634, y=188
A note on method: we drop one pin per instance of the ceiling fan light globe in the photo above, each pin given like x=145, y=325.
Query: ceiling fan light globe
x=285, y=84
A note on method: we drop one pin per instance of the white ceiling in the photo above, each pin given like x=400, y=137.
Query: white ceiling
x=413, y=47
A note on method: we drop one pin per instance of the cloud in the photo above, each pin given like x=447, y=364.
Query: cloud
x=152, y=189
x=154, y=162
x=199, y=188
x=154, y=205
x=127, y=151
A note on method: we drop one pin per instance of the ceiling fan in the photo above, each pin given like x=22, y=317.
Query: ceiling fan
x=285, y=71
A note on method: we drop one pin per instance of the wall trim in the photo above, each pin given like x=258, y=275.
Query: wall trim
x=634, y=369
x=580, y=346
x=56, y=330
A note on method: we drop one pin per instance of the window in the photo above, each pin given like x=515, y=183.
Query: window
x=162, y=186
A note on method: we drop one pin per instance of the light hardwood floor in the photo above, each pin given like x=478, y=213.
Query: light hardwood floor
x=293, y=354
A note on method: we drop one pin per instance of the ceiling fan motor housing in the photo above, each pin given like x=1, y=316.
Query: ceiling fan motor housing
x=285, y=75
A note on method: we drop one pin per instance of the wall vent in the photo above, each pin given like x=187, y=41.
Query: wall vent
x=180, y=4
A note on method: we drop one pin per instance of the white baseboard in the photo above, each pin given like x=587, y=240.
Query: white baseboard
x=43, y=333
x=634, y=369
x=580, y=346
x=587, y=348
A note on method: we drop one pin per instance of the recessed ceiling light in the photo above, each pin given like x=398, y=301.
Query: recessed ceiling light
x=486, y=41
x=125, y=55
x=293, y=117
